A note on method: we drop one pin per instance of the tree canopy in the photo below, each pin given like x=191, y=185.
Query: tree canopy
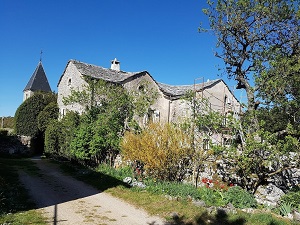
x=26, y=116
x=252, y=36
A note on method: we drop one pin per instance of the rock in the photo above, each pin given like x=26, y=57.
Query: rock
x=169, y=197
x=268, y=195
x=296, y=215
x=199, y=203
x=175, y=216
x=230, y=206
x=211, y=209
x=127, y=180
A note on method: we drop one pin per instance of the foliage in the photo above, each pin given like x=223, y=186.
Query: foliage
x=26, y=117
x=292, y=198
x=143, y=98
x=118, y=173
x=52, y=135
x=8, y=122
x=240, y=198
x=164, y=149
x=101, y=127
x=47, y=116
x=250, y=34
x=59, y=135
x=285, y=208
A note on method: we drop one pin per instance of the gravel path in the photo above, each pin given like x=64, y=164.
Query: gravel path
x=65, y=200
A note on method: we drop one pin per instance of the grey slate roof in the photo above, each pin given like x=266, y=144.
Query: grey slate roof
x=38, y=80
x=174, y=91
x=99, y=72
x=180, y=90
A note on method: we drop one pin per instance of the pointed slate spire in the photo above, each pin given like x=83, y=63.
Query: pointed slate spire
x=38, y=80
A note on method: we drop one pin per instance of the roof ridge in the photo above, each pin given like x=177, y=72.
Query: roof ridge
x=188, y=85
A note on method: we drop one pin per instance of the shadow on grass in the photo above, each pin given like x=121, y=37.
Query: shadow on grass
x=220, y=218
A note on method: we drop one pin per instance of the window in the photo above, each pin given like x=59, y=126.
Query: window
x=155, y=116
x=141, y=89
x=69, y=82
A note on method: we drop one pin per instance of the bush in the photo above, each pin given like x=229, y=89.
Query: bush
x=119, y=173
x=26, y=116
x=164, y=149
x=212, y=197
x=240, y=198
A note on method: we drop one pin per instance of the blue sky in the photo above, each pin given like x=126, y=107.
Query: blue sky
x=160, y=37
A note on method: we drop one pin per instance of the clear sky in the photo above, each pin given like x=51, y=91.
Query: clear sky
x=158, y=36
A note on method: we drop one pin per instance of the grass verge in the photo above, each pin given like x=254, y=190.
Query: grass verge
x=157, y=204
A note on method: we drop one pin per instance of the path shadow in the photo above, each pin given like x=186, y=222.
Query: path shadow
x=51, y=186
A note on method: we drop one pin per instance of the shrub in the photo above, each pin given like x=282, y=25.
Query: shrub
x=47, y=115
x=240, y=198
x=164, y=149
x=285, y=208
x=119, y=173
x=212, y=197
x=26, y=116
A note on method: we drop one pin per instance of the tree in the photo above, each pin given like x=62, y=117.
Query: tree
x=47, y=116
x=59, y=135
x=250, y=33
x=259, y=42
x=103, y=123
x=26, y=116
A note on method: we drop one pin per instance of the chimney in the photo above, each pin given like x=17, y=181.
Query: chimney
x=115, y=65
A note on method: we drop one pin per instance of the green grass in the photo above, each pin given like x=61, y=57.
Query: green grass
x=153, y=200
x=15, y=204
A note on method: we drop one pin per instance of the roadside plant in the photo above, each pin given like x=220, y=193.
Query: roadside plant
x=292, y=198
x=240, y=198
x=164, y=149
x=285, y=208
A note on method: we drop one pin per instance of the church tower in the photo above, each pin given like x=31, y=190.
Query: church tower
x=37, y=82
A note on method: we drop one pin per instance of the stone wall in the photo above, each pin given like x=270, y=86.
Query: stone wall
x=71, y=80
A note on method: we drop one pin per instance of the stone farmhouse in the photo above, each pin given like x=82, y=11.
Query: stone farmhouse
x=168, y=107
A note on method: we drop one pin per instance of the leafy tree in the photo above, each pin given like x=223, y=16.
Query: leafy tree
x=259, y=44
x=103, y=124
x=109, y=112
x=250, y=33
x=59, y=135
x=47, y=115
x=26, y=116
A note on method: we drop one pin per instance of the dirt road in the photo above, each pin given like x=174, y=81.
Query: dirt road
x=67, y=201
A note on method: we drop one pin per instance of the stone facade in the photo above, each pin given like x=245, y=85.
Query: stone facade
x=168, y=107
